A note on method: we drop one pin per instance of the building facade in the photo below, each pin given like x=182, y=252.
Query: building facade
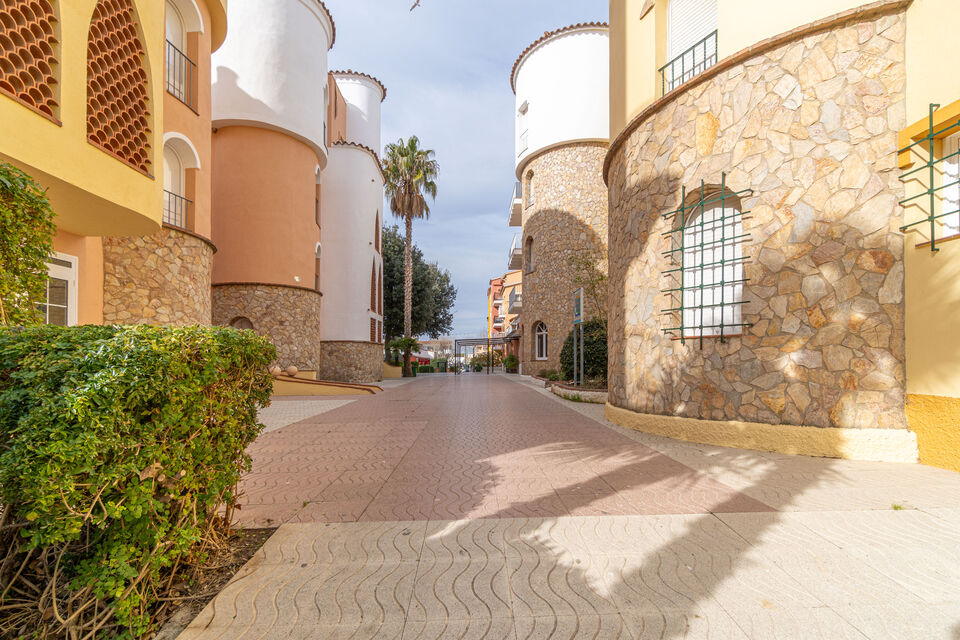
x=757, y=232
x=114, y=114
x=351, y=260
x=561, y=201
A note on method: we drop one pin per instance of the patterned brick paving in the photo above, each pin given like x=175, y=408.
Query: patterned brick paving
x=448, y=448
x=478, y=507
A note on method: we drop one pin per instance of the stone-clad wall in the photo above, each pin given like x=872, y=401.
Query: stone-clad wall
x=567, y=217
x=811, y=127
x=288, y=316
x=162, y=278
x=348, y=361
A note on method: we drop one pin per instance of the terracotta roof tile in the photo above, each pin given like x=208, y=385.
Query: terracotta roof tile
x=362, y=147
x=351, y=72
x=546, y=36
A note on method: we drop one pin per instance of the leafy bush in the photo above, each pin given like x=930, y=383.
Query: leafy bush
x=546, y=373
x=118, y=445
x=511, y=363
x=26, y=244
x=484, y=359
x=594, y=352
x=425, y=368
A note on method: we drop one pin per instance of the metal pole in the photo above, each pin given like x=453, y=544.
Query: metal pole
x=581, y=354
x=489, y=356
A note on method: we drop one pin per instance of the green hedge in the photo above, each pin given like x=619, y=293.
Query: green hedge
x=594, y=352
x=118, y=445
x=426, y=368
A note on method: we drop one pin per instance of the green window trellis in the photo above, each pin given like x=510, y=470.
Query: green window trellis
x=706, y=285
x=931, y=166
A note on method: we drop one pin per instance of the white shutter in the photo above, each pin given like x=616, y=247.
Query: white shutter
x=689, y=21
x=951, y=192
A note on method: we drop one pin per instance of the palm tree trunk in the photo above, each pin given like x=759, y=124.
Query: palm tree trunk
x=408, y=291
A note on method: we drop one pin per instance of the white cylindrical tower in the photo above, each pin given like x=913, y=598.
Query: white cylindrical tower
x=274, y=75
x=351, y=262
x=562, y=125
x=562, y=84
x=363, y=94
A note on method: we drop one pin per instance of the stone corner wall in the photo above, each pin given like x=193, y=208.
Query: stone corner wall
x=288, y=316
x=568, y=216
x=163, y=278
x=348, y=361
x=811, y=128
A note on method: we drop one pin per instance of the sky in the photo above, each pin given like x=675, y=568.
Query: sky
x=446, y=66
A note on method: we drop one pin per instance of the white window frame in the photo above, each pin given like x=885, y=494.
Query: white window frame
x=705, y=281
x=71, y=275
x=951, y=193
x=541, y=342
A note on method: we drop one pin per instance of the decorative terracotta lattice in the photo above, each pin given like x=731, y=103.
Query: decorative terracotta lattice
x=29, y=49
x=117, y=100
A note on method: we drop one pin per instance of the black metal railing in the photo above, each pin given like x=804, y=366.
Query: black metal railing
x=181, y=72
x=176, y=210
x=689, y=64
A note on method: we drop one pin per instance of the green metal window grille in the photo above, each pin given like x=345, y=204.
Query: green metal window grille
x=689, y=64
x=942, y=201
x=706, y=245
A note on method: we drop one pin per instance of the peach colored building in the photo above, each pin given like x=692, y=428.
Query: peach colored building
x=96, y=127
x=297, y=192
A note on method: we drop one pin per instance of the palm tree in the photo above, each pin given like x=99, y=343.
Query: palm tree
x=411, y=175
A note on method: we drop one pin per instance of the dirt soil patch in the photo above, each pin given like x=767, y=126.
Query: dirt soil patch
x=240, y=547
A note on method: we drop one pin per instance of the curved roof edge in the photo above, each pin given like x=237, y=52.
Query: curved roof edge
x=360, y=74
x=333, y=25
x=363, y=147
x=580, y=26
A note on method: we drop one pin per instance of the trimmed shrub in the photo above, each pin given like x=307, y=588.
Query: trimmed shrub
x=118, y=446
x=26, y=244
x=426, y=368
x=594, y=352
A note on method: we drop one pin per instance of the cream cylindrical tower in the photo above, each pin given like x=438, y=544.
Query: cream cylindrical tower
x=270, y=97
x=562, y=122
x=351, y=262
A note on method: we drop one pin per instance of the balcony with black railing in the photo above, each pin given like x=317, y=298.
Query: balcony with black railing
x=176, y=210
x=181, y=75
x=689, y=64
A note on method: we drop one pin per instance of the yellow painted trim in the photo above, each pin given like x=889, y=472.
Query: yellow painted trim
x=883, y=445
x=218, y=16
x=936, y=421
x=917, y=130
x=300, y=387
x=391, y=372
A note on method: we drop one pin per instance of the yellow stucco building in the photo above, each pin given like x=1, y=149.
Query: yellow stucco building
x=807, y=133
x=83, y=87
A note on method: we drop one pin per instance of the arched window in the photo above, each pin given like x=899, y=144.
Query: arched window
x=380, y=292
x=528, y=254
x=176, y=29
x=175, y=208
x=540, y=341
x=373, y=288
x=182, y=17
x=712, y=265
x=316, y=269
x=118, y=104
x=240, y=322
x=376, y=232
x=30, y=54
x=528, y=188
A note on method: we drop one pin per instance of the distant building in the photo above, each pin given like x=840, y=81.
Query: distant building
x=560, y=200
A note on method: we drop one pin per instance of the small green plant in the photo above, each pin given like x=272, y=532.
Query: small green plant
x=511, y=363
x=26, y=244
x=896, y=507
x=594, y=352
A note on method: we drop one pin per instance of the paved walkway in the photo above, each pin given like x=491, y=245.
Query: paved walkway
x=483, y=507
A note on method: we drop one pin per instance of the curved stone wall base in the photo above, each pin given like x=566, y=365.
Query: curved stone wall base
x=350, y=361
x=288, y=316
x=162, y=278
x=881, y=445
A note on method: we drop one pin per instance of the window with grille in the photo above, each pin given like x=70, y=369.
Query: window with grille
x=935, y=182
x=705, y=282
